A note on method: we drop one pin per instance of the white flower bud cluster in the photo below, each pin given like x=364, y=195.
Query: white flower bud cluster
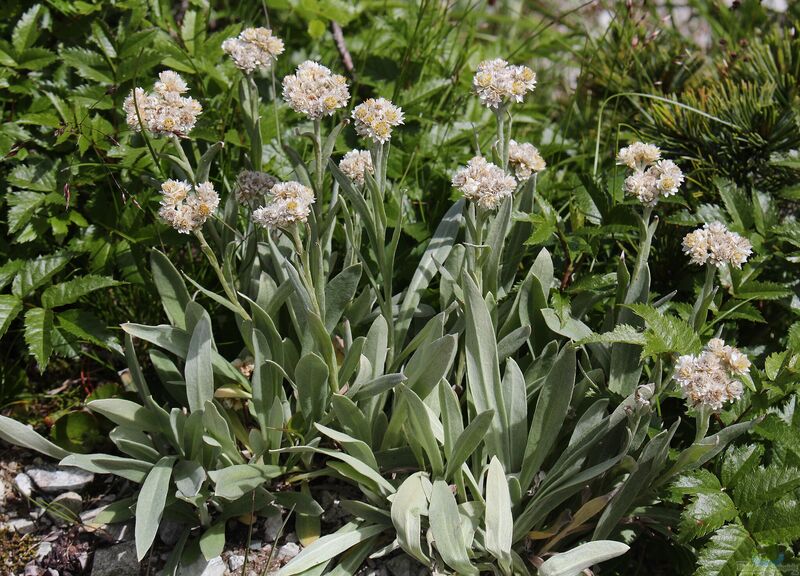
x=355, y=164
x=710, y=379
x=251, y=185
x=716, y=244
x=652, y=178
x=496, y=82
x=163, y=111
x=185, y=208
x=288, y=203
x=254, y=48
x=375, y=118
x=525, y=160
x=484, y=183
x=314, y=91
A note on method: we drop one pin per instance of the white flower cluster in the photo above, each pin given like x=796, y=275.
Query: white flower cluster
x=314, y=91
x=716, y=244
x=710, y=378
x=251, y=185
x=355, y=164
x=484, y=183
x=288, y=203
x=525, y=159
x=497, y=82
x=376, y=117
x=163, y=111
x=254, y=48
x=187, y=209
x=652, y=178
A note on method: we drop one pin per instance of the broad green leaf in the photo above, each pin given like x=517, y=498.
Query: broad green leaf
x=575, y=561
x=311, y=380
x=71, y=290
x=468, y=441
x=483, y=369
x=199, y=372
x=212, y=541
x=777, y=522
x=39, y=335
x=437, y=251
x=233, y=482
x=329, y=547
x=445, y=521
x=126, y=413
x=150, y=504
x=339, y=293
x=409, y=504
x=18, y=434
x=499, y=520
x=705, y=513
x=128, y=468
x=729, y=549
x=171, y=288
x=551, y=410
x=10, y=306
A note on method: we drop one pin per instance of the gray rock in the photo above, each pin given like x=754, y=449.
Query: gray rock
x=272, y=527
x=23, y=484
x=52, y=479
x=256, y=545
x=235, y=562
x=33, y=570
x=19, y=525
x=287, y=552
x=170, y=532
x=402, y=566
x=43, y=549
x=65, y=507
x=118, y=560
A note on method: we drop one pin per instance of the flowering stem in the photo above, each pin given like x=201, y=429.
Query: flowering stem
x=502, y=137
x=700, y=310
x=319, y=174
x=212, y=259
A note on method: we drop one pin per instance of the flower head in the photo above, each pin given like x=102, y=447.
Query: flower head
x=355, y=164
x=185, y=208
x=314, y=91
x=251, y=185
x=254, y=48
x=288, y=203
x=525, y=159
x=716, y=244
x=652, y=178
x=638, y=155
x=497, y=82
x=164, y=111
x=375, y=119
x=484, y=183
x=711, y=378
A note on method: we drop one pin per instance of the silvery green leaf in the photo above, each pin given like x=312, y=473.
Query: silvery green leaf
x=150, y=504
x=575, y=561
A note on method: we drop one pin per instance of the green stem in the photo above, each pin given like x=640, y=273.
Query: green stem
x=700, y=309
x=319, y=174
x=212, y=259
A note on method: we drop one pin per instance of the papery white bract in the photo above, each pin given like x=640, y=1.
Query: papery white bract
x=185, y=208
x=484, y=183
x=314, y=91
x=716, y=244
x=525, y=159
x=355, y=164
x=288, y=203
x=375, y=118
x=497, y=82
x=710, y=378
x=254, y=49
x=164, y=111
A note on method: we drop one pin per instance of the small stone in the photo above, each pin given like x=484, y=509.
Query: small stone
x=23, y=484
x=64, y=508
x=52, y=479
x=235, y=562
x=256, y=545
x=272, y=527
x=43, y=549
x=288, y=551
x=170, y=532
x=33, y=570
x=19, y=525
x=118, y=560
x=291, y=537
x=402, y=566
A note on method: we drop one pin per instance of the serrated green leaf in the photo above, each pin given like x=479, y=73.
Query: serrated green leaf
x=621, y=333
x=38, y=335
x=10, y=306
x=27, y=29
x=71, y=290
x=36, y=272
x=776, y=523
x=665, y=333
x=730, y=548
x=706, y=512
x=740, y=461
x=764, y=484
